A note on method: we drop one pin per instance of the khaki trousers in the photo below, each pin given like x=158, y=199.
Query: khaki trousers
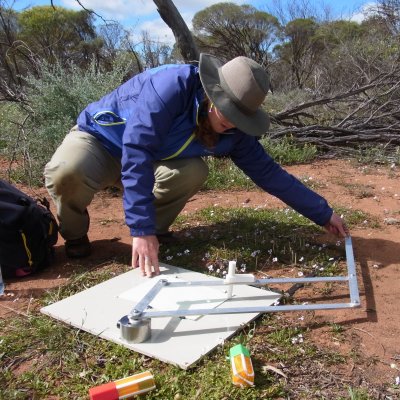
x=81, y=167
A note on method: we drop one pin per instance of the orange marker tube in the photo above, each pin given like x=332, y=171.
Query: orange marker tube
x=124, y=388
x=241, y=366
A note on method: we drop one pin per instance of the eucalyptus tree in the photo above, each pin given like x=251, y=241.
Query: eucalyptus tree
x=229, y=30
x=300, y=50
x=58, y=34
x=15, y=57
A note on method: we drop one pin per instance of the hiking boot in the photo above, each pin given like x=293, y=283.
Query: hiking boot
x=78, y=248
x=167, y=238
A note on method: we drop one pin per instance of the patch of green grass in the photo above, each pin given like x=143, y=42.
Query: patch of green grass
x=358, y=190
x=358, y=394
x=379, y=154
x=224, y=174
x=311, y=183
x=286, y=151
x=356, y=218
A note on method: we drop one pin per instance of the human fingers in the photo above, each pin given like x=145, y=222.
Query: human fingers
x=340, y=225
x=148, y=266
x=156, y=266
x=343, y=230
x=135, y=259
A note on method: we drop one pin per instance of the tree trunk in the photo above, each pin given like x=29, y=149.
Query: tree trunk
x=183, y=37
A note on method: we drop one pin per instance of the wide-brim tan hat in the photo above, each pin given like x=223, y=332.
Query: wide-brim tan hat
x=238, y=89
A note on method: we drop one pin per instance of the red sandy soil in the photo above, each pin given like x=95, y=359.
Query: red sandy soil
x=373, y=329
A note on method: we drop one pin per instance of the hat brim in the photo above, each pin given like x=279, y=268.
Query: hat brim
x=256, y=124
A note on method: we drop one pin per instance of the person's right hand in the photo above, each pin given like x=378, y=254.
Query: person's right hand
x=145, y=254
x=337, y=226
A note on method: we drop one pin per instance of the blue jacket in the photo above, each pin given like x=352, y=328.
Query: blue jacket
x=152, y=117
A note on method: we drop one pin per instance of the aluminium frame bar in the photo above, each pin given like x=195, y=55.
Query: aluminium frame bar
x=141, y=311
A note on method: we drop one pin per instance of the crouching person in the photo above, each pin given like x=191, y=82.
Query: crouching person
x=149, y=135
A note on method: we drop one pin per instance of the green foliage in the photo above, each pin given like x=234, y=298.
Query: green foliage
x=224, y=174
x=336, y=32
x=55, y=101
x=229, y=30
x=378, y=154
x=286, y=151
x=358, y=394
x=55, y=33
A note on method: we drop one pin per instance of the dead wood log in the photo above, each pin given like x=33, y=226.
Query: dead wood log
x=366, y=114
x=183, y=36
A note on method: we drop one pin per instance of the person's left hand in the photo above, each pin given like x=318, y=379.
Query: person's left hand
x=145, y=254
x=337, y=226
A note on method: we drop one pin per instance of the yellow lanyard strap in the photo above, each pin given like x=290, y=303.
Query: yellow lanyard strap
x=186, y=144
x=28, y=252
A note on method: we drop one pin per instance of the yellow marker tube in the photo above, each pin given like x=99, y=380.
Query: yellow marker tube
x=241, y=366
x=124, y=388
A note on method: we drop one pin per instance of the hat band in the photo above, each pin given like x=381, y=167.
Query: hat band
x=242, y=107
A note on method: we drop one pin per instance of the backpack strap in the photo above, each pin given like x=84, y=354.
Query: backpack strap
x=26, y=247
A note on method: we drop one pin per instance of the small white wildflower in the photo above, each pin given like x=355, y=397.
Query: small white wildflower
x=223, y=272
x=321, y=269
x=187, y=251
x=270, y=251
x=301, y=259
x=207, y=255
x=169, y=258
x=294, y=340
x=218, y=271
x=178, y=254
x=324, y=245
x=255, y=253
x=301, y=318
x=275, y=259
x=300, y=273
x=211, y=268
x=307, y=244
x=397, y=380
x=331, y=259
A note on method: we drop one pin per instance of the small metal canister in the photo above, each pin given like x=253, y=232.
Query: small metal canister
x=134, y=330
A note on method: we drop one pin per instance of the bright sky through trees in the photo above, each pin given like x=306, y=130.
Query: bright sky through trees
x=141, y=15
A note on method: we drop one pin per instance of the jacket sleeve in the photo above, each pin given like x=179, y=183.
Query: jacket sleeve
x=162, y=98
x=249, y=155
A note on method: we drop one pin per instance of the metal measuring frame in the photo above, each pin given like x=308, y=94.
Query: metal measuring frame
x=136, y=326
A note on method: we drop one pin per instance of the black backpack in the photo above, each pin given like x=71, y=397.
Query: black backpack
x=28, y=232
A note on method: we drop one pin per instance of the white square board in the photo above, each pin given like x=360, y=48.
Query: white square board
x=177, y=341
